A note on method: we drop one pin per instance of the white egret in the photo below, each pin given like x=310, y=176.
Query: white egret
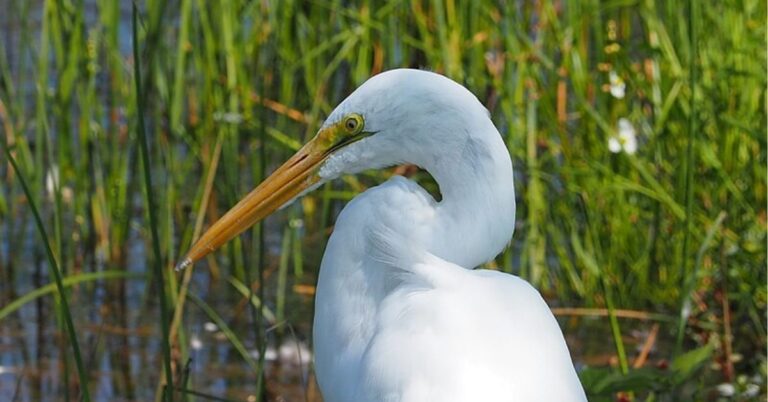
x=400, y=315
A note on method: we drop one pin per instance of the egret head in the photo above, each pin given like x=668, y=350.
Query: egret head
x=408, y=116
x=400, y=116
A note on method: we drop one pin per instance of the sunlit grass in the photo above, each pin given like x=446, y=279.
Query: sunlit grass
x=231, y=88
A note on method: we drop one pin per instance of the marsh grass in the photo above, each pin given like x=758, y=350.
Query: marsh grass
x=62, y=303
x=231, y=88
x=150, y=204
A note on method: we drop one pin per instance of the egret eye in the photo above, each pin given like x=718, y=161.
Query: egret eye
x=353, y=123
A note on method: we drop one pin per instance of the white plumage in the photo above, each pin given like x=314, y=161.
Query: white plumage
x=400, y=315
x=397, y=315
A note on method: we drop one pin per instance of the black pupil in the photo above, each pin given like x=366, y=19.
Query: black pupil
x=351, y=124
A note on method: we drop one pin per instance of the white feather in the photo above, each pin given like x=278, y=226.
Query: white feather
x=400, y=315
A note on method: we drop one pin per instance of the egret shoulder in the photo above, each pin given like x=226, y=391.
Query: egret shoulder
x=461, y=335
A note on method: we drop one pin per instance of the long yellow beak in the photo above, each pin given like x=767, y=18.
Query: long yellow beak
x=288, y=181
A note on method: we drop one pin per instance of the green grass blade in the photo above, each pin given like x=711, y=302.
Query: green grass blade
x=67, y=282
x=231, y=336
x=56, y=272
x=255, y=300
x=689, y=166
x=157, y=263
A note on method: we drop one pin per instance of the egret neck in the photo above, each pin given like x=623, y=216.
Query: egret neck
x=475, y=210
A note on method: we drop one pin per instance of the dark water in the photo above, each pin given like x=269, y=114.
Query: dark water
x=119, y=337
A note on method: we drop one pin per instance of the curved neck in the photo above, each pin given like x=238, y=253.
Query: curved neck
x=471, y=225
x=476, y=216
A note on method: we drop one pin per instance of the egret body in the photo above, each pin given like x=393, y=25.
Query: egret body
x=400, y=315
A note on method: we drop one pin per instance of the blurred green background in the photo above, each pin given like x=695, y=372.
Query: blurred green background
x=637, y=130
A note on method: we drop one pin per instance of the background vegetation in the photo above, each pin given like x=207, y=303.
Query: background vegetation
x=654, y=257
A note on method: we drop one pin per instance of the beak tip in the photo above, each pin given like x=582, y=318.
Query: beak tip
x=183, y=264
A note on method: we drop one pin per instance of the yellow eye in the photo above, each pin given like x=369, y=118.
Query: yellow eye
x=353, y=123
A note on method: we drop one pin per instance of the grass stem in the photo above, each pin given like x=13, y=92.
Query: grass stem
x=56, y=273
x=150, y=203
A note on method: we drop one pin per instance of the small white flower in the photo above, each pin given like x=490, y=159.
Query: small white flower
x=195, y=342
x=614, y=145
x=270, y=354
x=726, y=389
x=626, y=140
x=52, y=180
x=617, y=85
x=52, y=185
x=751, y=391
x=210, y=327
x=293, y=353
x=228, y=117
